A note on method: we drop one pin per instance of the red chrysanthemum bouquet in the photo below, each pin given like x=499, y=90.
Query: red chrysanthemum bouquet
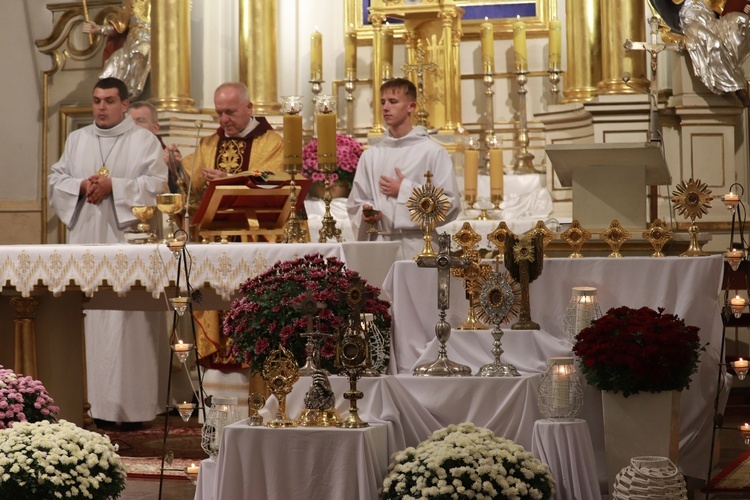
x=638, y=350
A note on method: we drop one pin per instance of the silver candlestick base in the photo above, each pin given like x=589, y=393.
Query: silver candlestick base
x=442, y=366
x=498, y=368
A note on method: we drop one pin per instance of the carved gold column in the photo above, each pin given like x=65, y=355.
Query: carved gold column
x=170, y=52
x=620, y=20
x=25, y=330
x=377, y=21
x=584, y=46
x=258, y=54
x=448, y=20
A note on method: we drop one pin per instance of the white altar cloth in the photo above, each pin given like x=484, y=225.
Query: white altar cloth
x=221, y=267
x=688, y=287
x=566, y=448
x=259, y=463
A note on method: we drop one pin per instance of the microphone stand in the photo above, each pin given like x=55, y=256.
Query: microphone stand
x=186, y=219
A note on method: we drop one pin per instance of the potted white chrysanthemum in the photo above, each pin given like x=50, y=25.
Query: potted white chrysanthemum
x=466, y=461
x=48, y=460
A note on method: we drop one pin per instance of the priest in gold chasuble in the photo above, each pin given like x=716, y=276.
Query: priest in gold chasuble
x=243, y=142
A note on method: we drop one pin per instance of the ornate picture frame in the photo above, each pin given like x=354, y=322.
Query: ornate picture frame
x=536, y=14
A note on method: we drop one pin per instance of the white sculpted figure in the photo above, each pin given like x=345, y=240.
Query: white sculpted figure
x=717, y=45
x=131, y=62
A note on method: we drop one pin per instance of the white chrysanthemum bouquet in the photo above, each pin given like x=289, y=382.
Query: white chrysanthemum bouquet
x=46, y=460
x=466, y=461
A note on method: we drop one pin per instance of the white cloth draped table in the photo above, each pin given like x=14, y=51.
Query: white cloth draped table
x=566, y=447
x=688, y=287
x=260, y=463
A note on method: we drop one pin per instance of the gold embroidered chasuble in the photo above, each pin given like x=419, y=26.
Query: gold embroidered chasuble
x=261, y=149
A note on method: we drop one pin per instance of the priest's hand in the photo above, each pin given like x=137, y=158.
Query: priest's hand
x=100, y=186
x=211, y=174
x=373, y=219
x=390, y=186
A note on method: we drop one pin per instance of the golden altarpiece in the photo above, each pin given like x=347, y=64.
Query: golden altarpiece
x=432, y=39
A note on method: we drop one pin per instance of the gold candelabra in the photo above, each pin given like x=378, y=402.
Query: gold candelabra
x=349, y=85
x=489, y=133
x=523, y=160
x=554, y=73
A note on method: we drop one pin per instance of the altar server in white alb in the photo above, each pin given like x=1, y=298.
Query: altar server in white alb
x=389, y=171
x=107, y=168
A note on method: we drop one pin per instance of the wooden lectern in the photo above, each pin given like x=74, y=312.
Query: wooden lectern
x=248, y=207
x=610, y=180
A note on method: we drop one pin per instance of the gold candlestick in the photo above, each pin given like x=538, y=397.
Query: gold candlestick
x=523, y=160
x=554, y=79
x=327, y=162
x=349, y=87
x=292, y=106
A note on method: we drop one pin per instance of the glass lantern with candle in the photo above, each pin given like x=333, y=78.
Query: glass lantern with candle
x=222, y=411
x=582, y=309
x=560, y=392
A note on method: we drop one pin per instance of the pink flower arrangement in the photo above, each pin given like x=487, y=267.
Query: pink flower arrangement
x=348, y=151
x=23, y=399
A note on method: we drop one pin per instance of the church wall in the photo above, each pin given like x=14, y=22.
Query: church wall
x=20, y=201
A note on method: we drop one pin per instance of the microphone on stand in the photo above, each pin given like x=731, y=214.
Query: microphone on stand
x=654, y=130
x=186, y=224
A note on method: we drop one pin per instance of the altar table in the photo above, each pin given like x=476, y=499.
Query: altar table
x=688, y=287
x=66, y=279
x=260, y=463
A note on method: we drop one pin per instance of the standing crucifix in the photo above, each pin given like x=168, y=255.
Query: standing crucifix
x=420, y=69
x=443, y=366
x=654, y=48
x=310, y=307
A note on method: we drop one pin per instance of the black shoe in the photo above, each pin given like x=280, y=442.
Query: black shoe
x=131, y=426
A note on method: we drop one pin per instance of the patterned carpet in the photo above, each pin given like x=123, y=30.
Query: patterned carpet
x=735, y=477
x=141, y=449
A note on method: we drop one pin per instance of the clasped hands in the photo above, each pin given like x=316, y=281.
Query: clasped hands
x=97, y=187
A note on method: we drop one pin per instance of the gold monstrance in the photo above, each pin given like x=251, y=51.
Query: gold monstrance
x=280, y=372
x=428, y=206
x=576, y=236
x=467, y=239
x=353, y=350
x=497, y=238
x=615, y=236
x=692, y=199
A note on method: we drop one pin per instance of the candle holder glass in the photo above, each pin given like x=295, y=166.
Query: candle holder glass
x=191, y=475
x=745, y=430
x=740, y=368
x=560, y=391
x=737, y=305
x=179, y=304
x=582, y=309
x=221, y=412
x=182, y=351
x=734, y=257
x=185, y=410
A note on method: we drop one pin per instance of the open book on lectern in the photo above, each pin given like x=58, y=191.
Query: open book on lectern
x=247, y=203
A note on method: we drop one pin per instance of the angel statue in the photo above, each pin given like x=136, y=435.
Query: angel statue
x=716, y=37
x=127, y=55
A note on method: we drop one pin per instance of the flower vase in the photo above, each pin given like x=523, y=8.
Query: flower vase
x=642, y=424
